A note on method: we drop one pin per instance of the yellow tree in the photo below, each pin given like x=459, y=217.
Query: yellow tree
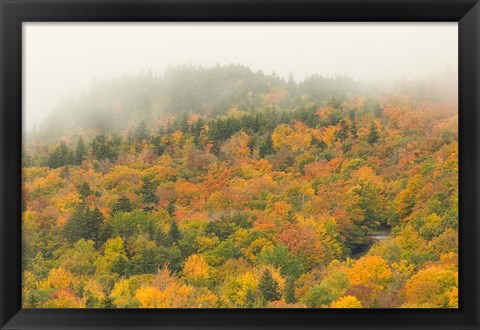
x=371, y=272
x=295, y=138
x=433, y=287
x=196, y=269
x=346, y=302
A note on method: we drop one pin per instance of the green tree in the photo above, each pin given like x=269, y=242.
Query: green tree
x=123, y=204
x=343, y=131
x=290, y=291
x=174, y=233
x=80, y=151
x=84, y=223
x=249, y=299
x=373, y=135
x=171, y=208
x=94, y=223
x=73, y=229
x=61, y=156
x=148, y=192
x=84, y=190
x=319, y=296
x=269, y=287
x=103, y=148
x=141, y=133
x=266, y=147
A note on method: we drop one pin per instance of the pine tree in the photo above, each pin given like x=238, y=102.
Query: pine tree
x=84, y=223
x=141, y=133
x=266, y=147
x=84, y=190
x=93, y=223
x=80, y=151
x=157, y=145
x=269, y=287
x=343, y=132
x=148, y=191
x=73, y=228
x=123, y=204
x=249, y=299
x=61, y=156
x=374, y=135
x=171, y=208
x=184, y=127
x=107, y=302
x=26, y=159
x=353, y=128
x=102, y=148
x=174, y=233
x=290, y=291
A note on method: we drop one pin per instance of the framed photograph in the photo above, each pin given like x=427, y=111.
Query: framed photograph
x=241, y=164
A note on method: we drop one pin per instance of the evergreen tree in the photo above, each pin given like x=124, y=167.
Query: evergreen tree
x=102, y=148
x=266, y=147
x=94, y=221
x=343, y=132
x=123, y=204
x=148, y=192
x=70, y=158
x=107, y=303
x=141, y=133
x=249, y=299
x=353, y=128
x=373, y=135
x=61, y=156
x=84, y=223
x=80, y=151
x=269, y=287
x=171, y=208
x=174, y=233
x=129, y=138
x=157, y=145
x=26, y=159
x=184, y=127
x=290, y=291
x=84, y=190
x=73, y=230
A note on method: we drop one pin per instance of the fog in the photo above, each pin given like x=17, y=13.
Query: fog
x=65, y=58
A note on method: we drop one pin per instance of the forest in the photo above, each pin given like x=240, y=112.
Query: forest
x=223, y=187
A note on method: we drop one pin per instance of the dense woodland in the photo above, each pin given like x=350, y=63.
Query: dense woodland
x=224, y=187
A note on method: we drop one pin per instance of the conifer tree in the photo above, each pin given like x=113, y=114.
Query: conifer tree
x=141, y=133
x=123, y=204
x=269, y=287
x=266, y=147
x=148, y=192
x=73, y=229
x=174, y=233
x=343, y=132
x=84, y=190
x=249, y=299
x=373, y=135
x=290, y=291
x=61, y=156
x=171, y=208
x=84, y=223
x=93, y=224
x=80, y=151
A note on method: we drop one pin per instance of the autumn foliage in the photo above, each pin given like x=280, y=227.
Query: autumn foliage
x=283, y=199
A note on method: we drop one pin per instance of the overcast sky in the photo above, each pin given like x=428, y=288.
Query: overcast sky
x=64, y=58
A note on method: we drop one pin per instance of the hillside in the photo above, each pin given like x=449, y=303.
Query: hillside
x=225, y=187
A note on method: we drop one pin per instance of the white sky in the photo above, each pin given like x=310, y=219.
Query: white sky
x=64, y=58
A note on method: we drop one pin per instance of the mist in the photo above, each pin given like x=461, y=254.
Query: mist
x=64, y=59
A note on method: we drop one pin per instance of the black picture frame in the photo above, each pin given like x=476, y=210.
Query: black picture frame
x=14, y=12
